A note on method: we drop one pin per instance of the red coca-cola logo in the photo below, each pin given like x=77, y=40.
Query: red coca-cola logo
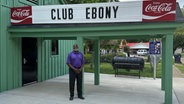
x=159, y=10
x=164, y=7
x=21, y=15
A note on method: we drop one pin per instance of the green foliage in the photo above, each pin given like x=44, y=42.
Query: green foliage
x=106, y=58
x=182, y=55
x=88, y=68
x=107, y=68
x=180, y=30
x=88, y=45
x=179, y=36
x=88, y=58
x=147, y=72
x=110, y=44
x=120, y=54
x=178, y=41
x=103, y=58
x=104, y=44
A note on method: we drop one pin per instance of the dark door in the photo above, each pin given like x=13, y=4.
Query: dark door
x=29, y=60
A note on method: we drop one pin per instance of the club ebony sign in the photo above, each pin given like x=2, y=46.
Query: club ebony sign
x=91, y=13
x=129, y=11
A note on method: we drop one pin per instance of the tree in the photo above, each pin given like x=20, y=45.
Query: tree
x=109, y=44
x=182, y=10
x=88, y=46
x=179, y=36
x=178, y=41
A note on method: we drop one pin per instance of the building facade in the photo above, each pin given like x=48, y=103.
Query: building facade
x=35, y=46
x=24, y=60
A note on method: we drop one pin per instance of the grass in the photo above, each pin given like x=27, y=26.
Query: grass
x=182, y=54
x=180, y=67
x=106, y=68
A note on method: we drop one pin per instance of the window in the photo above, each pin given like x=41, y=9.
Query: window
x=33, y=1
x=55, y=48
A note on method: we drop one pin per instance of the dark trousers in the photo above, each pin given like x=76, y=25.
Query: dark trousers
x=72, y=77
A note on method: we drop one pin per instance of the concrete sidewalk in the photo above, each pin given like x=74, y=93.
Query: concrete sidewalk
x=178, y=85
x=112, y=90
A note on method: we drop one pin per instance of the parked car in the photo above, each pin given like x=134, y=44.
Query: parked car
x=142, y=52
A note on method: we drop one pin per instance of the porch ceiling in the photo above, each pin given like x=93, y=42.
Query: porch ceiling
x=96, y=31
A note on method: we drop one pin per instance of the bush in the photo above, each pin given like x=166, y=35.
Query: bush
x=103, y=58
x=121, y=55
x=88, y=58
x=106, y=58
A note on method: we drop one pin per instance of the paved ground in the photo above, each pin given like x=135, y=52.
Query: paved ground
x=112, y=90
x=178, y=84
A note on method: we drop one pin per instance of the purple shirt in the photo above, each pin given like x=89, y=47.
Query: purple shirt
x=75, y=59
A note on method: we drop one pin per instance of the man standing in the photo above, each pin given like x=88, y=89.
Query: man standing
x=75, y=62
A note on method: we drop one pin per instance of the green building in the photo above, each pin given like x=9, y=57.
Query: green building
x=47, y=55
x=36, y=46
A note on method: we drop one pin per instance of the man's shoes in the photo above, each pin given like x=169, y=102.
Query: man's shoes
x=71, y=98
x=81, y=97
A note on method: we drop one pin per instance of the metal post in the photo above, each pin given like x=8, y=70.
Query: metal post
x=154, y=66
x=163, y=62
x=97, y=61
x=79, y=41
x=168, y=68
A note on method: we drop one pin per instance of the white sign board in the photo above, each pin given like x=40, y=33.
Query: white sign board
x=129, y=11
x=87, y=13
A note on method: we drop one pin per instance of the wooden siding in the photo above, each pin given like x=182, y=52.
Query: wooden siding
x=53, y=65
x=10, y=51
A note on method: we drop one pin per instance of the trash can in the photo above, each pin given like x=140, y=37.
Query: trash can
x=177, y=58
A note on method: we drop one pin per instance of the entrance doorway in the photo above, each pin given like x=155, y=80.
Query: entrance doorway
x=29, y=60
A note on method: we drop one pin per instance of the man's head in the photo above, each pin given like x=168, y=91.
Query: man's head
x=75, y=48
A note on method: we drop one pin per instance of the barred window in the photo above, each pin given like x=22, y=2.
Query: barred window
x=33, y=1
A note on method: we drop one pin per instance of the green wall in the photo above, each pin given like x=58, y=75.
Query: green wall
x=10, y=51
x=53, y=65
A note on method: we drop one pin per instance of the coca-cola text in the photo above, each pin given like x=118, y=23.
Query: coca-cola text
x=164, y=7
x=21, y=13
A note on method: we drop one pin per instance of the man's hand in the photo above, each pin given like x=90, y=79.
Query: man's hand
x=80, y=69
x=76, y=71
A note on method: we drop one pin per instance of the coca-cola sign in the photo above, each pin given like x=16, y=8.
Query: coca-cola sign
x=21, y=15
x=159, y=10
x=164, y=7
